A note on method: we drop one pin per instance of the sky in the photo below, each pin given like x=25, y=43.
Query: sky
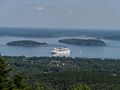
x=88, y=14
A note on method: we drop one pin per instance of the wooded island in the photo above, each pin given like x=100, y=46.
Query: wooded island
x=26, y=43
x=83, y=42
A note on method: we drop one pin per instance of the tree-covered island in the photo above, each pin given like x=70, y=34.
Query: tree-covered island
x=83, y=42
x=26, y=43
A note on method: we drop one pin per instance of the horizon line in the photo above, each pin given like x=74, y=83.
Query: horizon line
x=60, y=28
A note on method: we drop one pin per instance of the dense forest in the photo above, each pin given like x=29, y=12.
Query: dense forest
x=60, y=73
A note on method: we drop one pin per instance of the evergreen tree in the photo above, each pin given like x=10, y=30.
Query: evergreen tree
x=5, y=81
x=87, y=87
x=38, y=86
x=19, y=83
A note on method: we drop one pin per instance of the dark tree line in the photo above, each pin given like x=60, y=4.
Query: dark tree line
x=59, y=73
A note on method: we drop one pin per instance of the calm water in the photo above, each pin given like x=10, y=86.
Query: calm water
x=111, y=50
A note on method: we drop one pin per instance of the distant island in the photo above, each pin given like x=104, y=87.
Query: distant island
x=26, y=43
x=83, y=42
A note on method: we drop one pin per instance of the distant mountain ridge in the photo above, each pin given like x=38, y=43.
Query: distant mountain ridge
x=49, y=32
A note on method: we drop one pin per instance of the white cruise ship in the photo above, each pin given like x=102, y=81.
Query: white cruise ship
x=60, y=51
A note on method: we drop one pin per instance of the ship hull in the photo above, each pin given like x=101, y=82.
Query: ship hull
x=60, y=52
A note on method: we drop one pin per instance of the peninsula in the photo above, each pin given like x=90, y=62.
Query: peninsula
x=83, y=42
x=26, y=43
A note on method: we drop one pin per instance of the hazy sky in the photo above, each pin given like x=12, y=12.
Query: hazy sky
x=95, y=14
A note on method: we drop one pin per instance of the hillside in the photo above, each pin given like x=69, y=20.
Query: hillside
x=55, y=73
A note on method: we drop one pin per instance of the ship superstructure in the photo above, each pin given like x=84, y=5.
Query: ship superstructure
x=61, y=51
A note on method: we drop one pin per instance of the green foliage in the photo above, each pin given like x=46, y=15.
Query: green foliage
x=87, y=87
x=38, y=86
x=5, y=81
x=77, y=87
x=80, y=87
x=61, y=73
x=19, y=83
